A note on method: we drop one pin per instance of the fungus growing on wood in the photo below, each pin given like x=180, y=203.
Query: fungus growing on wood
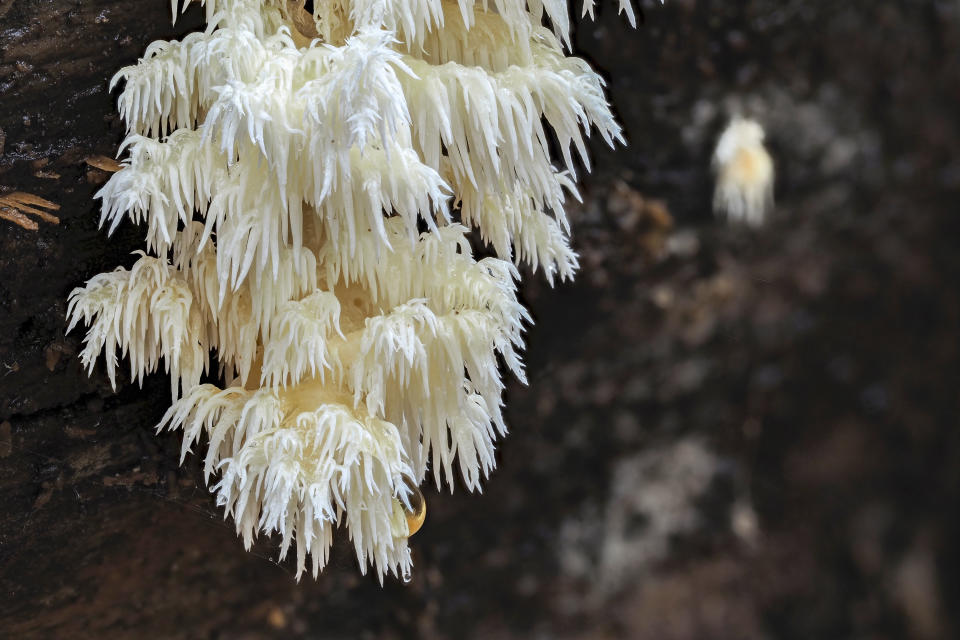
x=307, y=182
x=744, y=190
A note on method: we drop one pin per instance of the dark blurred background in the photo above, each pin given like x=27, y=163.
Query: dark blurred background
x=728, y=433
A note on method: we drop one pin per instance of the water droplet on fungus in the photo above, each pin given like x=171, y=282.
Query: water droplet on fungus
x=418, y=507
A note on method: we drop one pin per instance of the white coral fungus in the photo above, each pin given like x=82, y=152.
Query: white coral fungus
x=744, y=189
x=300, y=177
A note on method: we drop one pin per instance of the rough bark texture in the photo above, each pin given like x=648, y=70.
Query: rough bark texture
x=727, y=433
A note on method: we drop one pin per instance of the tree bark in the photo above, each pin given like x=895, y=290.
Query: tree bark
x=806, y=372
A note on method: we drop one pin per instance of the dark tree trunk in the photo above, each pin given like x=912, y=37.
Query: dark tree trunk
x=802, y=378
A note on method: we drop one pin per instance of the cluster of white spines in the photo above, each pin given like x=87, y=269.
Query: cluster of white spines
x=148, y=313
x=357, y=349
x=299, y=462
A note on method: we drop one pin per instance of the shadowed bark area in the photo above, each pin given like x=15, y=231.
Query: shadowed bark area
x=727, y=433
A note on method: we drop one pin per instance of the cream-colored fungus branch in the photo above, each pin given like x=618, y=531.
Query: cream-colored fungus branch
x=304, y=182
